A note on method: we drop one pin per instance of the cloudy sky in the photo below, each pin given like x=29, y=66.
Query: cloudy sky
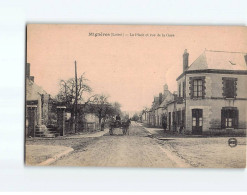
x=130, y=69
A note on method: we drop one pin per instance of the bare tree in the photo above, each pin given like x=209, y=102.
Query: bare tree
x=103, y=108
x=69, y=93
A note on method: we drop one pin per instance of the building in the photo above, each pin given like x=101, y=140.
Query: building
x=158, y=111
x=37, y=104
x=164, y=99
x=212, y=95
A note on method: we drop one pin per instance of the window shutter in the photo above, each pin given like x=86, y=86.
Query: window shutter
x=235, y=87
x=235, y=118
x=203, y=87
x=191, y=88
x=223, y=119
x=199, y=112
x=224, y=87
x=229, y=87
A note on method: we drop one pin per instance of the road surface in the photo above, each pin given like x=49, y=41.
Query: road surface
x=134, y=150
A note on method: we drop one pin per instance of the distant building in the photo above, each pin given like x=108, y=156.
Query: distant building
x=158, y=111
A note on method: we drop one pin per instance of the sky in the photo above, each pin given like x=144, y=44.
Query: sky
x=129, y=69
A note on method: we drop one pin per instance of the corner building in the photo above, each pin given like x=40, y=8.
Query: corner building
x=212, y=94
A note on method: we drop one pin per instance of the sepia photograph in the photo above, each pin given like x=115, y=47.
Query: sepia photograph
x=149, y=96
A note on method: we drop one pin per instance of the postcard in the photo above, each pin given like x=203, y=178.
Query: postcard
x=135, y=96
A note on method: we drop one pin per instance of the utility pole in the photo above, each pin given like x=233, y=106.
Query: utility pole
x=76, y=93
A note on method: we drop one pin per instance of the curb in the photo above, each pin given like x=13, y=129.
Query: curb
x=55, y=158
x=70, y=137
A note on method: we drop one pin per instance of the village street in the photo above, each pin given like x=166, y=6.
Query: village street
x=144, y=147
x=134, y=150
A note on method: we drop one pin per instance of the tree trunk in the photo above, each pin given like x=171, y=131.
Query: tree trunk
x=72, y=126
x=100, y=118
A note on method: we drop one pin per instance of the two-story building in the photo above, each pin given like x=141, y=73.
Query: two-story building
x=212, y=95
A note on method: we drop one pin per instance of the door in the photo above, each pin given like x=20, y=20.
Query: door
x=183, y=118
x=31, y=121
x=197, y=121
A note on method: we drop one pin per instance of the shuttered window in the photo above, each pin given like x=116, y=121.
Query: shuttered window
x=229, y=87
x=229, y=117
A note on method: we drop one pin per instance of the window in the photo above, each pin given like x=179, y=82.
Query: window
x=229, y=87
x=194, y=121
x=228, y=122
x=229, y=117
x=197, y=87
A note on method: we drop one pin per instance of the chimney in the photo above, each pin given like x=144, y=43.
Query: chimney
x=165, y=87
x=185, y=60
x=28, y=70
x=245, y=57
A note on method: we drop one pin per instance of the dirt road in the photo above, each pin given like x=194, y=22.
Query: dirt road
x=134, y=150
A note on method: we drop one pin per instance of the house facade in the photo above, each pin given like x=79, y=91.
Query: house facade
x=37, y=104
x=158, y=111
x=212, y=95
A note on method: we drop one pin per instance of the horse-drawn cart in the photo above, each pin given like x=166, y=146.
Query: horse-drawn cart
x=124, y=125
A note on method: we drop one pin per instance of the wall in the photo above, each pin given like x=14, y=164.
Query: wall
x=34, y=92
x=214, y=101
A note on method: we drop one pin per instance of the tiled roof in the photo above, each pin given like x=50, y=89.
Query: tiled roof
x=219, y=60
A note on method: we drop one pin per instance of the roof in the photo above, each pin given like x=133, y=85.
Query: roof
x=36, y=88
x=219, y=60
x=168, y=97
x=226, y=62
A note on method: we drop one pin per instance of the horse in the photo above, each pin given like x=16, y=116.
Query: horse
x=124, y=125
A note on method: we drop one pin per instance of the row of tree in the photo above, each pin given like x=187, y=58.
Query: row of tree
x=73, y=93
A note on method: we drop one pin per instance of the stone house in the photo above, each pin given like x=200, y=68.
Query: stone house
x=144, y=116
x=166, y=97
x=212, y=95
x=37, y=104
x=157, y=112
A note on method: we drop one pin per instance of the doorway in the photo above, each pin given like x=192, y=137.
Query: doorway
x=197, y=121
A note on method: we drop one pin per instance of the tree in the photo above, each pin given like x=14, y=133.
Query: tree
x=135, y=117
x=103, y=108
x=69, y=92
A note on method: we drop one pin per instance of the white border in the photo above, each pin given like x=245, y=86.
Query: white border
x=15, y=14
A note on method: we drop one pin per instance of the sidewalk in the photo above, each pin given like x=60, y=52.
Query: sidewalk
x=75, y=136
x=44, y=151
x=93, y=134
x=41, y=155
